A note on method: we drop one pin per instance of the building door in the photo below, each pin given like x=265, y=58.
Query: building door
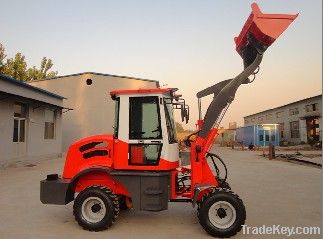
x=19, y=130
x=145, y=136
x=263, y=137
x=313, y=129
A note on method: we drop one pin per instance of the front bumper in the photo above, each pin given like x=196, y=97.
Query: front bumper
x=55, y=190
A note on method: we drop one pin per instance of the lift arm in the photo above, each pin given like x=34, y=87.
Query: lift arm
x=258, y=33
x=225, y=96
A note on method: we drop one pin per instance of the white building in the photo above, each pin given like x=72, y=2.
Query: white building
x=30, y=122
x=299, y=121
x=88, y=94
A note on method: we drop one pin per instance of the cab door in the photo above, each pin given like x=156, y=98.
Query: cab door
x=145, y=134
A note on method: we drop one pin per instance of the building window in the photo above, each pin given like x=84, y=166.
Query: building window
x=293, y=111
x=279, y=114
x=281, y=130
x=260, y=119
x=20, y=110
x=49, y=124
x=246, y=121
x=311, y=107
x=19, y=124
x=294, y=129
x=89, y=81
x=253, y=120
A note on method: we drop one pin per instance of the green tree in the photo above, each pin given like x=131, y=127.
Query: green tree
x=17, y=67
x=43, y=72
x=2, y=57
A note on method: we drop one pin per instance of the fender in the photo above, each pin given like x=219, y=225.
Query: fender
x=97, y=176
x=88, y=170
x=199, y=191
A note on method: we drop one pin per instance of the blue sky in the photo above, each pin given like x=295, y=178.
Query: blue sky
x=183, y=43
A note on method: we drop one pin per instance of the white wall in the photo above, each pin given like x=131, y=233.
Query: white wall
x=93, y=107
x=6, y=130
x=36, y=146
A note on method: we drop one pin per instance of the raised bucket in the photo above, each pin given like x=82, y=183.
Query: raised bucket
x=259, y=32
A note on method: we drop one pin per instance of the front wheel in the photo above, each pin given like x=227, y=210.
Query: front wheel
x=221, y=213
x=96, y=208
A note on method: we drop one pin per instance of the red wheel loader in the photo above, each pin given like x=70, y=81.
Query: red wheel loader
x=138, y=166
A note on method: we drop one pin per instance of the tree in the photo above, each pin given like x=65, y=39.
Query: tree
x=45, y=65
x=17, y=67
x=2, y=57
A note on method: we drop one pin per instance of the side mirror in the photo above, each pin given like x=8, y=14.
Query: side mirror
x=183, y=113
x=187, y=113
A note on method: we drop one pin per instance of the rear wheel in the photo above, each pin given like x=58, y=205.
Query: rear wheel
x=221, y=213
x=96, y=208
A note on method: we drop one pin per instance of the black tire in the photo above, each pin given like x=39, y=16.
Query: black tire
x=224, y=184
x=229, y=198
x=122, y=204
x=105, y=207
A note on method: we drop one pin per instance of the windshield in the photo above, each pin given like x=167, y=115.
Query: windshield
x=170, y=121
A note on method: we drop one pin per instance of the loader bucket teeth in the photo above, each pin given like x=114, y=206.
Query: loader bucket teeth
x=259, y=32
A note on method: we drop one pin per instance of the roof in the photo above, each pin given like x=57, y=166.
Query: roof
x=100, y=74
x=142, y=91
x=295, y=102
x=31, y=87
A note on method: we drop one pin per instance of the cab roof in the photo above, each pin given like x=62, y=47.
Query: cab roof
x=142, y=91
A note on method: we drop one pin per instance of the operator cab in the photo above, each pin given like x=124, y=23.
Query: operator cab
x=144, y=128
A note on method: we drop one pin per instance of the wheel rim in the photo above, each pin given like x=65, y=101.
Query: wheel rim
x=93, y=209
x=222, y=214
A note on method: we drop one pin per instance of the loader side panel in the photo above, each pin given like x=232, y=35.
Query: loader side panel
x=149, y=191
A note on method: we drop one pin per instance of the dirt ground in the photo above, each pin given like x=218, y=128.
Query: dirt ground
x=274, y=193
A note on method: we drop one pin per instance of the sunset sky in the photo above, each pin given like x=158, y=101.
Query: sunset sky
x=181, y=43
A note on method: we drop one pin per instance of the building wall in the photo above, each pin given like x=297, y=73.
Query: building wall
x=39, y=146
x=6, y=131
x=259, y=135
x=294, y=112
x=93, y=108
x=35, y=146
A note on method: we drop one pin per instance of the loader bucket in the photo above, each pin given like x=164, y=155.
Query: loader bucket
x=259, y=32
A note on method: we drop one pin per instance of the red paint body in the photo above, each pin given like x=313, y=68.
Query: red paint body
x=117, y=159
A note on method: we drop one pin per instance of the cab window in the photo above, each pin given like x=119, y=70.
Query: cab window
x=144, y=118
